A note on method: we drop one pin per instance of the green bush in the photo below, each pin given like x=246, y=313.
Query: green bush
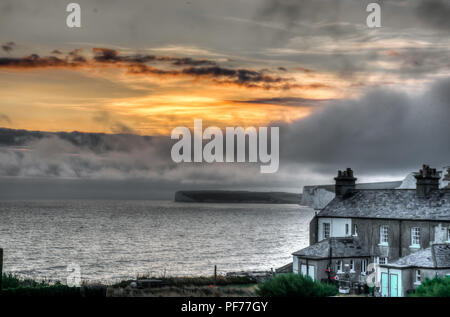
x=436, y=287
x=12, y=281
x=13, y=285
x=289, y=285
x=52, y=290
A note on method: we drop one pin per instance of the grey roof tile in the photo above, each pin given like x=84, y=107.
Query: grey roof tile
x=421, y=258
x=340, y=248
x=390, y=203
x=436, y=256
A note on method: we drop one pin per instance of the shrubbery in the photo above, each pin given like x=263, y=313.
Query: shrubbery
x=16, y=286
x=437, y=287
x=289, y=285
x=221, y=280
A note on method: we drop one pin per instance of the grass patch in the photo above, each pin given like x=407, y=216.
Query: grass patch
x=221, y=280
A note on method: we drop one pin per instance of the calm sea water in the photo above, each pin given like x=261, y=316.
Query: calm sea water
x=113, y=240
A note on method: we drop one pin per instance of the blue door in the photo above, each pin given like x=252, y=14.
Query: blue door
x=394, y=285
x=384, y=285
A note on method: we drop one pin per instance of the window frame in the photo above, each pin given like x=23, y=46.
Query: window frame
x=448, y=234
x=347, y=229
x=355, y=230
x=326, y=225
x=417, y=276
x=352, y=266
x=385, y=260
x=384, y=235
x=364, y=266
x=415, y=237
x=339, y=266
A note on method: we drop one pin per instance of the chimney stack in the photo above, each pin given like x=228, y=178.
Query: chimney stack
x=447, y=177
x=345, y=182
x=427, y=180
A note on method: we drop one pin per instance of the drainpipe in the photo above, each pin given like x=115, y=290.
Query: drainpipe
x=307, y=268
x=400, y=239
x=389, y=283
x=329, y=260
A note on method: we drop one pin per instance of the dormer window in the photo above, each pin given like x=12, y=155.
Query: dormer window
x=384, y=235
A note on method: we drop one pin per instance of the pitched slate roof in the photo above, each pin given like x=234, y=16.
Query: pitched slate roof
x=340, y=248
x=441, y=254
x=390, y=203
x=436, y=256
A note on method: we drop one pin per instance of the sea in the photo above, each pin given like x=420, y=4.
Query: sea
x=111, y=240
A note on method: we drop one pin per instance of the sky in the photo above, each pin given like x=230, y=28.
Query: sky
x=343, y=95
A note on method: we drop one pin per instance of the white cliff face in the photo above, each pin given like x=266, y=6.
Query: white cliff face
x=316, y=197
x=409, y=182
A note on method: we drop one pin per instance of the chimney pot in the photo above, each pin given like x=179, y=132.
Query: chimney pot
x=427, y=180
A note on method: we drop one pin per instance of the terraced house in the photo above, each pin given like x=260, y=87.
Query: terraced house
x=363, y=227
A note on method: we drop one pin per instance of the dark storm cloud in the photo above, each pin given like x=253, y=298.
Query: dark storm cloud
x=8, y=47
x=243, y=77
x=287, y=101
x=138, y=65
x=382, y=131
x=107, y=55
x=192, y=62
x=35, y=61
x=435, y=13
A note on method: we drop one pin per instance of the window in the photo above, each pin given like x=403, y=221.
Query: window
x=415, y=237
x=379, y=260
x=355, y=230
x=339, y=266
x=418, y=277
x=326, y=230
x=448, y=234
x=363, y=267
x=352, y=265
x=346, y=229
x=384, y=235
